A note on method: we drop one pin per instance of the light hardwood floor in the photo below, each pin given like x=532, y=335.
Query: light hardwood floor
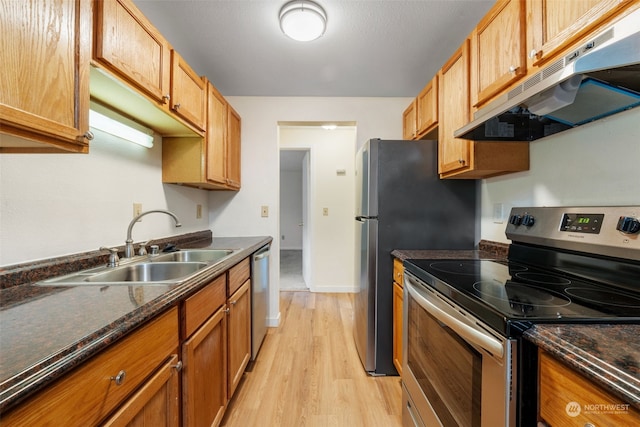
x=308, y=372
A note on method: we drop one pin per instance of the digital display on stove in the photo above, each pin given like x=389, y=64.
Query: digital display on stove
x=582, y=223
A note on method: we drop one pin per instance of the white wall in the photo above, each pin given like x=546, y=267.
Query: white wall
x=291, y=209
x=57, y=204
x=592, y=165
x=331, y=253
x=239, y=214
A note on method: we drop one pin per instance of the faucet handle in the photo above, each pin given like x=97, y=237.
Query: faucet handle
x=142, y=249
x=113, y=256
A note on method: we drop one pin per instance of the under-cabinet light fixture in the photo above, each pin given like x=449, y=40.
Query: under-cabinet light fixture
x=303, y=20
x=108, y=121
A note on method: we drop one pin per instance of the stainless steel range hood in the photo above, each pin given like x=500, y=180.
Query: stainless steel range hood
x=599, y=78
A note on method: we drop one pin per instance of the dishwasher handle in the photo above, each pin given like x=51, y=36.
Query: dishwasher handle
x=262, y=253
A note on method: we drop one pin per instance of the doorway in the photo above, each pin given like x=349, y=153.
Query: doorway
x=294, y=167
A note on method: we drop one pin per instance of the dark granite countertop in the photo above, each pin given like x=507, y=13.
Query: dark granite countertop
x=47, y=331
x=608, y=355
x=486, y=250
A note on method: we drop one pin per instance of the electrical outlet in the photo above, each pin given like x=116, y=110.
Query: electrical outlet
x=198, y=211
x=498, y=213
x=137, y=210
x=325, y=211
x=264, y=211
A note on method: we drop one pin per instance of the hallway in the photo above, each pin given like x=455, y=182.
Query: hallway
x=308, y=372
x=291, y=271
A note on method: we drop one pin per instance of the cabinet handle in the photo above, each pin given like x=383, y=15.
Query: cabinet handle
x=461, y=161
x=88, y=135
x=227, y=310
x=166, y=98
x=176, y=106
x=234, y=302
x=178, y=366
x=513, y=69
x=119, y=379
x=533, y=53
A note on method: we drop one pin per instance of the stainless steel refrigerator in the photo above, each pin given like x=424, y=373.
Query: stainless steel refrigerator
x=402, y=204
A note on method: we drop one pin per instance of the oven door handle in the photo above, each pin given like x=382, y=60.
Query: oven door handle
x=467, y=332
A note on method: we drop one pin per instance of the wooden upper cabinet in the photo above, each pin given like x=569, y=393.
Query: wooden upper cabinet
x=216, y=163
x=188, y=94
x=45, y=51
x=128, y=45
x=498, y=56
x=554, y=25
x=427, y=109
x=234, y=138
x=453, y=77
x=409, y=124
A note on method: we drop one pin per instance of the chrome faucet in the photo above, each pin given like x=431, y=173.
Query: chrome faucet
x=128, y=247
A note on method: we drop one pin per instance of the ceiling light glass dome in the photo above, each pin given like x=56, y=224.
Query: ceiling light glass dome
x=303, y=20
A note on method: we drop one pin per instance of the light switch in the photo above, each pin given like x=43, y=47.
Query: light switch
x=325, y=211
x=137, y=210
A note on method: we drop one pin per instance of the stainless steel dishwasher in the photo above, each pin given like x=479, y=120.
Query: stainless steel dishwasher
x=259, y=295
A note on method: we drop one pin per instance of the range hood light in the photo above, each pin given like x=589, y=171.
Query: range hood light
x=556, y=97
x=121, y=127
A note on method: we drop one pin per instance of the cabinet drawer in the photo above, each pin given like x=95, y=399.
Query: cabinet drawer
x=398, y=271
x=238, y=275
x=199, y=307
x=566, y=398
x=88, y=394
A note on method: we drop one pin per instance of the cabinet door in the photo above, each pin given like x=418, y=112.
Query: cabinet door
x=131, y=47
x=204, y=377
x=188, y=94
x=554, y=25
x=427, y=108
x=45, y=51
x=454, y=153
x=155, y=404
x=216, y=136
x=234, y=138
x=498, y=50
x=397, y=327
x=560, y=385
x=409, y=122
x=239, y=305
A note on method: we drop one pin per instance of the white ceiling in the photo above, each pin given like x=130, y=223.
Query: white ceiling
x=371, y=47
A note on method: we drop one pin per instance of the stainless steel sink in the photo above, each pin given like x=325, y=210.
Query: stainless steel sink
x=193, y=255
x=147, y=272
x=162, y=269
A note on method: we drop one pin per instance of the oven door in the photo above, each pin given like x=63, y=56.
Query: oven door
x=456, y=372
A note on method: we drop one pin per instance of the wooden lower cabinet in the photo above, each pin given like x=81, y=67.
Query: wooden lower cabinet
x=239, y=306
x=156, y=404
x=569, y=399
x=204, y=380
x=398, y=273
x=92, y=392
x=217, y=324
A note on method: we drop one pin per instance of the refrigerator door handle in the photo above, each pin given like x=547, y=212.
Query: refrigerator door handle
x=362, y=218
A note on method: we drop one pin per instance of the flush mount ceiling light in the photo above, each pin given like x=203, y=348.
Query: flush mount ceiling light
x=303, y=20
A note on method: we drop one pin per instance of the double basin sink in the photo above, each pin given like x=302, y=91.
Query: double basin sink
x=162, y=269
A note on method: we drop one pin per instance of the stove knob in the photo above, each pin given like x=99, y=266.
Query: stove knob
x=628, y=225
x=515, y=220
x=528, y=220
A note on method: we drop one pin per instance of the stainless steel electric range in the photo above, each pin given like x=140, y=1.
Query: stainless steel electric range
x=465, y=361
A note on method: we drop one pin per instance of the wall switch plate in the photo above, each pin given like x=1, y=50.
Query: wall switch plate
x=198, y=211
x=264, y=211
x=137, y=210
x=325, y=211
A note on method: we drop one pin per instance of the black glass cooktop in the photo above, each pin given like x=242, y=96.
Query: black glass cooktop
x=509, y=296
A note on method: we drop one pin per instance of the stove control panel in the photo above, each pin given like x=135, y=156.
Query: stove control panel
x=605, y=230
